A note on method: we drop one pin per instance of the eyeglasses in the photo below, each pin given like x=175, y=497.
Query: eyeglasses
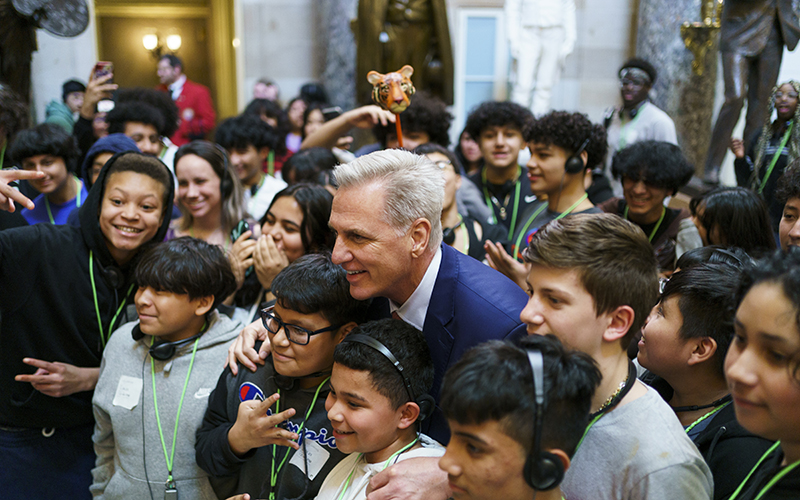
x=790, y=95
x=295, y=334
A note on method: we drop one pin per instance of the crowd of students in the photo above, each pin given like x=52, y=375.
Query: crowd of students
x=372, y=308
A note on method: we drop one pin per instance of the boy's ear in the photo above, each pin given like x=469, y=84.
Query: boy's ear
x=704, y=349
x=409, y=413
x=561, y=455
x=619, y=322
x=263, y=152
x=203, y=305
x=342, y=332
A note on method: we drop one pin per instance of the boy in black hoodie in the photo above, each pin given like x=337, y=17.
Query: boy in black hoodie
x=63, y=290
x=266, y=433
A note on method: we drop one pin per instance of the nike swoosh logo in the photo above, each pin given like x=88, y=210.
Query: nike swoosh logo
x=531, y=198
x=202, y=393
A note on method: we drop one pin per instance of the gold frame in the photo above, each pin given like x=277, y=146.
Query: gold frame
x=223, y=57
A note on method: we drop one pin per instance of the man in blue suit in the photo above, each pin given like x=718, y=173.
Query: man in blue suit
x=386, y=214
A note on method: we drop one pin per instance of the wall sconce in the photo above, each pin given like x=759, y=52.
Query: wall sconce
x=158, y=47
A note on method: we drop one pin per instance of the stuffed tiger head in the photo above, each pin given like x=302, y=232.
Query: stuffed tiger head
x=392, y=90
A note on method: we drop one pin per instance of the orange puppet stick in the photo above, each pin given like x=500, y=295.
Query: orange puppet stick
x=392, y=92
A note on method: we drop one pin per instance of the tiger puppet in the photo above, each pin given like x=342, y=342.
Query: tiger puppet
x=392, y=91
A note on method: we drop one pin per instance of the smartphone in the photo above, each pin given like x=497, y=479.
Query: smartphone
x=330, y=113
x=103, y=68
x=242, y=227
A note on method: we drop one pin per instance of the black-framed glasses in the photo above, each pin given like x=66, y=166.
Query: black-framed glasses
x=295, y=334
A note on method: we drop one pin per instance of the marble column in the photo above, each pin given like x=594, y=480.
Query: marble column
x=340, y=51
x=685, y=93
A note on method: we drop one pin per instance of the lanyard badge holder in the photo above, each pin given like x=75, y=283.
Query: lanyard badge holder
x=170, y=491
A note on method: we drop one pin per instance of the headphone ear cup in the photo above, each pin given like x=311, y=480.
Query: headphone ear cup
x=226, y=184
x=544, y=472
x=426, y=405
x=574, y=165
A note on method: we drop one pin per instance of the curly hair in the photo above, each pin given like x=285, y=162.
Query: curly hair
x=569, y=131
x=271, y=109
x=497, y=114
x=13, y=112
x=161, y=101
x=658, y=163
x=769, y=130
x=789, y=183
x=427, y=113
x=246, y=130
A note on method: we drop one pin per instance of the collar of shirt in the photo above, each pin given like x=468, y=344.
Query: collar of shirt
x=416, y=307
x=177, y=87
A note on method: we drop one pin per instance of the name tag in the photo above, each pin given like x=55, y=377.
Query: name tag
x=128, y=391
x=312, y=453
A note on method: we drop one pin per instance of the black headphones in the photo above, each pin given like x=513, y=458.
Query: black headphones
x=543, y=470
x=164, y=350
x=424, y=401
x=225, y=180
x=575, y=164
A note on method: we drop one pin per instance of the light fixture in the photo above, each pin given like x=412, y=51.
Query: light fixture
x=158, y=46
x=173, y=42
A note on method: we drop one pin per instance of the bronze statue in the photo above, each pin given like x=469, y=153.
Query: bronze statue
x=393, y=33
x=751, y=44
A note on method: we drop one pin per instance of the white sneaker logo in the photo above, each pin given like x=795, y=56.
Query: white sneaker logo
x=531, y=198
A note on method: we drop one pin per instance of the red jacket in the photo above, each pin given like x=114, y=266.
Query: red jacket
x=195, y=111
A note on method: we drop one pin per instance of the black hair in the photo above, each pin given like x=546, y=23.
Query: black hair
x=13, y=112
x=713, y=254
x=428, y=148
x=246, y=130
x=426, y=113
x=71, y=86
x=569, y=131
x=310, y=107
x=782, y=269
x=739, y=215
x=174, y=60
x=307, y=164
x=315, y=202
x=313, y=92
x=161, y=101
x=658, y=163
x=706, y=300
x=130, y=112
x=186, y=266
x=314, y=284
x=643, y=65
x=46, y=139
x=271, y=109
x=409, y=347
x=494, y=382
x=460, y=152
x=789, y=183
x=497, y=114
x=140, y=163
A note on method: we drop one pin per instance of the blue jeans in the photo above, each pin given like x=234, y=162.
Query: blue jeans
x=46, y=463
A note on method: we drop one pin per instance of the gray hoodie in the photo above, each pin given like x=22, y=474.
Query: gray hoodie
x=120, y=470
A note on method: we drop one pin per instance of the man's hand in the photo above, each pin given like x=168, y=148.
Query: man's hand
x=59, y=379
x=8, y=195
x=498, y=259
x=412, y=479
x=369, y=116
x=242, y=350
x=254, y=428
x=96, y=90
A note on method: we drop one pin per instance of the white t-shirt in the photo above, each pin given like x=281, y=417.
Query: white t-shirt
x=362, y=472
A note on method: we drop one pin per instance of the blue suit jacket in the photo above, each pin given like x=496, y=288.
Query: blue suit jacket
x=471, y=303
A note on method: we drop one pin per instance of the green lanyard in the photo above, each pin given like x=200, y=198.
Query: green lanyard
x=515, y=250
x=585, y=432
x=273, y=478
x=77, y=201
x=658, y=224
x=775, y=157
x=491, y=200
x=385, y=465
x=707, y=415
x=271, y=163
x=169, y=458
x=3, y=154
x=104, y=338
x=772, y=481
